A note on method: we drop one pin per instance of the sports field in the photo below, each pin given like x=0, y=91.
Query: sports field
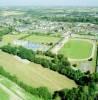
x=11, y=91
x=9, y=38
x=77, y=49
x=42, y=39
x=34, y=74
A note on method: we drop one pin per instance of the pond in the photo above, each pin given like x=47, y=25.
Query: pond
x=31, y=45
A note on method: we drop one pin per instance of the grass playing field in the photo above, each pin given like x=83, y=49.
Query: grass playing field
x=34, y=74
x=9, y=38
x=77, y=49
x=42, y=39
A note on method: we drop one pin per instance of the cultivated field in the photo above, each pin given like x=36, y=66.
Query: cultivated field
x=77, y=49
x=35, y=75
x=11, y=13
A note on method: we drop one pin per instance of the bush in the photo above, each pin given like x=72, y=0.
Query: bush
x=90, y=59
x=74, y=65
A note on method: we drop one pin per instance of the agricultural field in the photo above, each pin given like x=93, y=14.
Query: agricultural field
x=77, y=49
x=11, y=91
x=11, y=13
x=35, y=75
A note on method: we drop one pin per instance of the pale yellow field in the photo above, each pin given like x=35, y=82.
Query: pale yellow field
x=9, y=38
x=9, y=13
x=34, y=74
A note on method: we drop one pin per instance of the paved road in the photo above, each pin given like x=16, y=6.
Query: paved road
x=60, y=44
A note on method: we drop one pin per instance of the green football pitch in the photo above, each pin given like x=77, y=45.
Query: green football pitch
x=77, y=49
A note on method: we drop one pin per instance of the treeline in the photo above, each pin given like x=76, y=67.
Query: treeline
x=86, y=81
x=24, y=21
x=41, y=92
x=86, y=92
x=84, y=19
x=58, y=63
x=97, y=60
x=80, y=93
x=4, y=31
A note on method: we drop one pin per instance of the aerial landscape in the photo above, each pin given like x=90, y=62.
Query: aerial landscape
x=49, y=50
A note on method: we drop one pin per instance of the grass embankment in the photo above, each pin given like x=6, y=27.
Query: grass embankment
x=3, y=95
x=15, y=89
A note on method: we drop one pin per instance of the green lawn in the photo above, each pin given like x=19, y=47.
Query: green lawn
x=34, y=74
x=9, y=38
x=15, y=89
x=42, y=39
x=3, y=95
x=77, y=49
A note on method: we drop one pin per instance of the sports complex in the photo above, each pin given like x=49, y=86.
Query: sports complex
x=78, y=51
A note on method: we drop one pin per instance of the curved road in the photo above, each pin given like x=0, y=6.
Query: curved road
x=66, y=38
x=61, y=43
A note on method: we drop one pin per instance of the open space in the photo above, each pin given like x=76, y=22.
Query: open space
x=3, y=95
x=32, y=38
x=33, y=42
x=35, y=75
x=48, y=50
x=77, y=49
x=9, y=13
x=11, y=91
x=42, y=39
x=9, y=38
